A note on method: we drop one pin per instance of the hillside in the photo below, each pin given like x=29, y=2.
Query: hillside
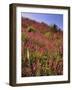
x=42, y=49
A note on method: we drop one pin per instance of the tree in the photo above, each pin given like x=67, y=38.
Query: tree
x=54, y=28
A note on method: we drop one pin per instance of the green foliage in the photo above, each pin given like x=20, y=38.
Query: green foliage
x=45, y=55
x=55, y=56
x=31, y=29
x=35, y=55
x=24, y=37
x=49, y=71
x=48, y=35
x=32, y=58
x=24, y=54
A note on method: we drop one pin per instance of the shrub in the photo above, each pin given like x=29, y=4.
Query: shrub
x=31, y=29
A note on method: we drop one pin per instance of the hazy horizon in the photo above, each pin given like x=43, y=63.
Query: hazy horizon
x=49, y=19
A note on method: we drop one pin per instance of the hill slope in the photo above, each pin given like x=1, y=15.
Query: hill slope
x=44, y=45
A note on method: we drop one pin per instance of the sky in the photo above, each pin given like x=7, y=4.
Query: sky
x=49, y=19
